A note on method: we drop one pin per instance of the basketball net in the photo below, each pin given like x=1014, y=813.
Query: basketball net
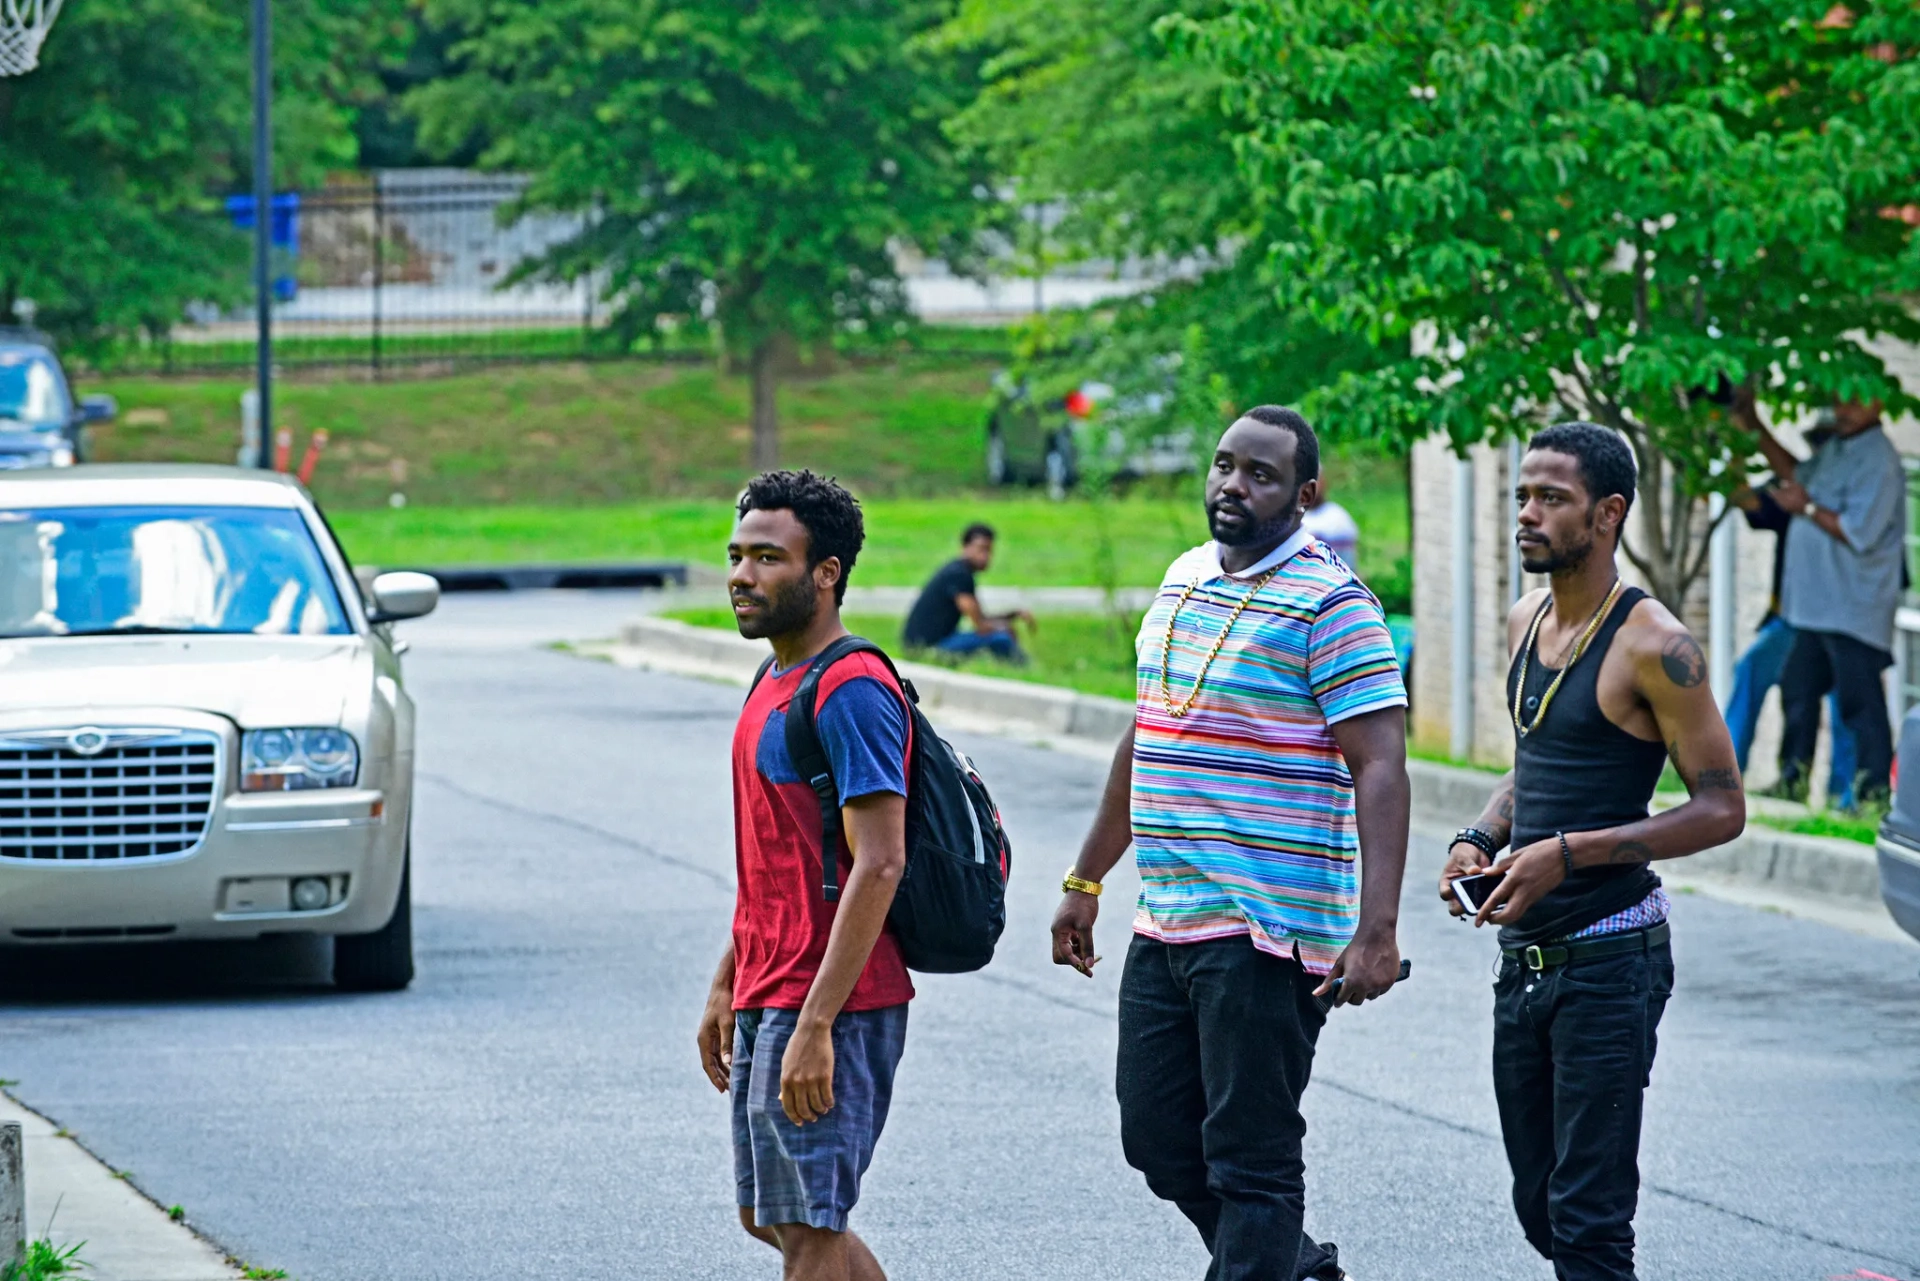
x=23, y=28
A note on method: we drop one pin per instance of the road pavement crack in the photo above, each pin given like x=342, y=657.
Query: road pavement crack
x=1688, y=1198
x=1698, y=1202
x=561, y=820
x=1040, y=993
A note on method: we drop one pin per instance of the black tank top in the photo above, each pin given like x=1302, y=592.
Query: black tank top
x=1578, y=772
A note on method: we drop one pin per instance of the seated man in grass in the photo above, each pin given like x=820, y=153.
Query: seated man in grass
x=949, y=594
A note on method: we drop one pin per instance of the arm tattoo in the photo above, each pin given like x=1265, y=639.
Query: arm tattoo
x=1717, y=780
x=1506, y=808
x=1683, y=662
x=1631, y=852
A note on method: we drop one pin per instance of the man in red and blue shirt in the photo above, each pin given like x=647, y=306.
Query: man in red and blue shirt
x=807, y=1016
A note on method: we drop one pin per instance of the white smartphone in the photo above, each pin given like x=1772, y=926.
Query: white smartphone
x=1473, y=890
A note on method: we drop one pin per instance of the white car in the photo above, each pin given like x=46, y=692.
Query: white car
x=203, y=730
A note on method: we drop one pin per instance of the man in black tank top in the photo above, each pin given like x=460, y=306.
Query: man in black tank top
x=1605, y=686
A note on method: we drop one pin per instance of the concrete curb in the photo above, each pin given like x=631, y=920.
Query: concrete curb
x=1044, y=710
x=1764, y=863
x=1449, y=796
x=73, y=1198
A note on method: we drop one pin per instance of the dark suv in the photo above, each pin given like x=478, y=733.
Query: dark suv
x=1899, y=844
x=40, y=425
x=1033, y=440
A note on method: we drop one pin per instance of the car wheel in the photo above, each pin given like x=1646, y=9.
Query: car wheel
x=383, y=960
x=996, y=457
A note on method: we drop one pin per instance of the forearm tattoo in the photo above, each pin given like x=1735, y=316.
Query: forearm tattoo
x=1631, y=852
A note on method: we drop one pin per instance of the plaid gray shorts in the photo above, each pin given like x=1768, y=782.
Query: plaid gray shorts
x=810, y=1174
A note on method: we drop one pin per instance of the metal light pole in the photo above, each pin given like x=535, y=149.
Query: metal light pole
x=263, y=225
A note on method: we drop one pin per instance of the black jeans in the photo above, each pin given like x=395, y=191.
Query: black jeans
x=1216, y=1044
x=1823, y=661
x=1572, y=1050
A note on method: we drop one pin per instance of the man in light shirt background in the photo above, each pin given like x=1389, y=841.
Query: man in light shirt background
x=1839, y=588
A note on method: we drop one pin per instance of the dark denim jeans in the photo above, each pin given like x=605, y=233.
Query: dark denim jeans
x=1759, y=671
x=1216, y=1044
x=1572, y=1050
x=1829, y=661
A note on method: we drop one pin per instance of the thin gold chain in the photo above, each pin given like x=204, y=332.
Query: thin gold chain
x=1579, y=647
x=1199, y=678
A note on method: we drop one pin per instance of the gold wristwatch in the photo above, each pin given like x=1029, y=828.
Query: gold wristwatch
x=1071, y=884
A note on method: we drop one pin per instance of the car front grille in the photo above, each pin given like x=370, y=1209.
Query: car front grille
x=106, y=795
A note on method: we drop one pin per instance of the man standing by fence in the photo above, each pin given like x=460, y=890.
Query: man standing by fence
x=1269, y=704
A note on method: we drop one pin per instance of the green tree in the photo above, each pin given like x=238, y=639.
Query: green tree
x=1089, y=109
x=114, y=152
x=749, y=164
x=1526, y=209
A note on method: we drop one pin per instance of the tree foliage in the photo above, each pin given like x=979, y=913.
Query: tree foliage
x=1088, y=107
x=113, y=153
x=751, y=163
x=1530, y=208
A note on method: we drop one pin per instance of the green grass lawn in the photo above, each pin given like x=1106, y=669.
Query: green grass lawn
x=1040, y=542
x=576, y=433
x=1092, y=653
x=1121, y=542
x=636, y=461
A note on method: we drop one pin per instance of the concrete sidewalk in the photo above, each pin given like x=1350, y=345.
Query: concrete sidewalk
x=72, y=1199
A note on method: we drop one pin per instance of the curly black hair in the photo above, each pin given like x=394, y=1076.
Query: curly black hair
x=831, y=514
x=1606, y=464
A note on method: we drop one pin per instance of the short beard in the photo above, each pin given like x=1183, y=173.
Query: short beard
x=1271, y=531
x=1558, y=559
x=790, y=609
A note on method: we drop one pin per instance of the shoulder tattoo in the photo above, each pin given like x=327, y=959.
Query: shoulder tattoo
x=1683, y=662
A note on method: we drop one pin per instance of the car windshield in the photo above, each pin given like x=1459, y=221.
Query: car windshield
x=85, y=571
x=31, y=393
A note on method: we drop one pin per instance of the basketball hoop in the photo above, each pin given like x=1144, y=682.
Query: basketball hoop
x=23, y=28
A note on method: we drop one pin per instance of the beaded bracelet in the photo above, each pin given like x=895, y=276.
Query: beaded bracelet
x=1482, y=841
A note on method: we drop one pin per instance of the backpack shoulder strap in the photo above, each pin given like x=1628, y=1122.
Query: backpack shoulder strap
x=809, y=755
x=766, y=665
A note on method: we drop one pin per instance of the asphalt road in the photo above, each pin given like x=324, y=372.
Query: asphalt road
x=532, y=1106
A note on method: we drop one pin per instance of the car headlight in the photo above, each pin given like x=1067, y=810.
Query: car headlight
x=297, y=760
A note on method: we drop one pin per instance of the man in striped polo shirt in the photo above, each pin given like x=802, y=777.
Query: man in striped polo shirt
x=1269, y=703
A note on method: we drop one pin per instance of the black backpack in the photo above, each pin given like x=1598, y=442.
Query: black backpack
x=951, y=904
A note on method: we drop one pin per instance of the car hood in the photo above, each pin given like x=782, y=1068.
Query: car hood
x=253, y=681
x=19, y=440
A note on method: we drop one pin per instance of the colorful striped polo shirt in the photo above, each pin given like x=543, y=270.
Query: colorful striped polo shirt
x=1243, y=818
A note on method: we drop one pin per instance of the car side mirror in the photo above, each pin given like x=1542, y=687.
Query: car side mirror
x=98, y=409
x=403, y=594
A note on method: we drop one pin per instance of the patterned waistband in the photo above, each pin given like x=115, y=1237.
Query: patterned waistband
x=1649, y=911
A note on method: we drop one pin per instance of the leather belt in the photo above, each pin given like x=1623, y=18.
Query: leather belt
x=1553, y=955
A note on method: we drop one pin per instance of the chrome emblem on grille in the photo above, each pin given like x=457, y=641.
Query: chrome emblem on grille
x=87, y=742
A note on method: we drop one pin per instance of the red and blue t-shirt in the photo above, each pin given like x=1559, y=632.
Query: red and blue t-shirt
x=780, y=918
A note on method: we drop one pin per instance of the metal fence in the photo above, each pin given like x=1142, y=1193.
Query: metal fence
x=408, y=268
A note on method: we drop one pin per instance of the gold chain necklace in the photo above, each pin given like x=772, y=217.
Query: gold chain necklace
x=1166, y=647
x=1579, y=648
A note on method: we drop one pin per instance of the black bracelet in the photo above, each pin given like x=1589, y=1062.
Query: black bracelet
x=1482, y=841
x=1566, y=852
